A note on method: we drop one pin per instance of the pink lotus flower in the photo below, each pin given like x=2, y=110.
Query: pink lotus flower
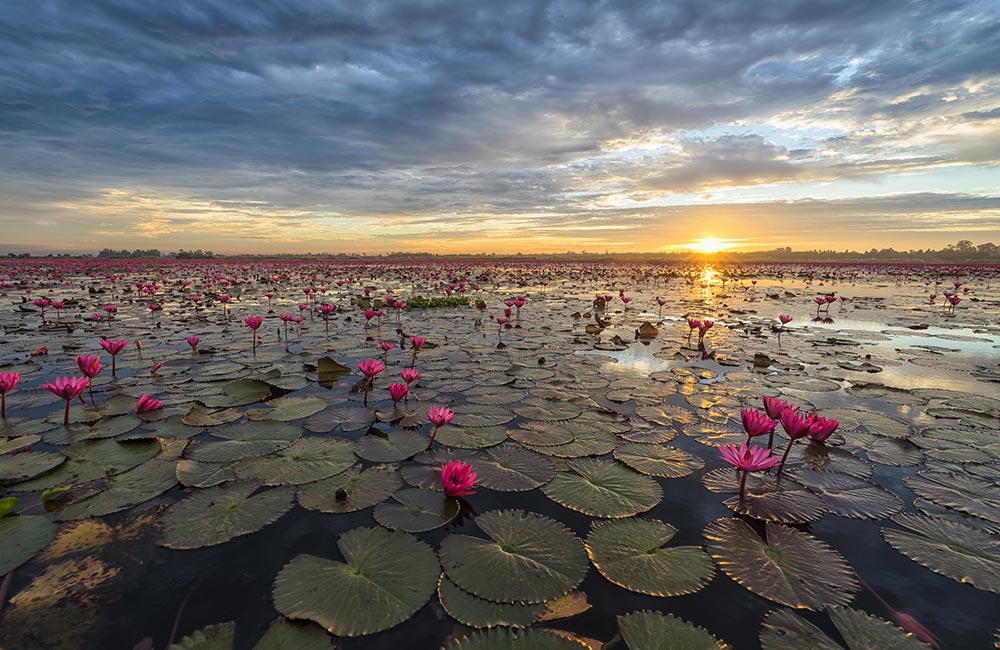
x=756, y=423
x=156, y=368
x=68, y=388
x=694, y=323
x=748, y=458
x=254, y=323
x=704, y=327
x=114, y=348
x=398, y=391
x=410, y=375
x=821, y=428
x=439, y=416
x=89, y=366
x=417, y=342
x=7, y=382
x=193, y=342
x=796, y=427
x=785, y=319
x=774, y=406
x=457, y=479
x=147, y=403
x=370, y=367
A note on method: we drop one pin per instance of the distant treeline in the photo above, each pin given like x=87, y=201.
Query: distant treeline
x=154, y=252
x=959, y=252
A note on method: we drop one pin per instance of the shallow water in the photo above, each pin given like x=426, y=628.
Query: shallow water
x=165, y=593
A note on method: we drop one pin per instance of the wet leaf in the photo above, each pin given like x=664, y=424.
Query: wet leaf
x=603, y=488
x=647, y=630
x=416, y=511
x=218, y=514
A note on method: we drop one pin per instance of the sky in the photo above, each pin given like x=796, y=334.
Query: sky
x=516, y=126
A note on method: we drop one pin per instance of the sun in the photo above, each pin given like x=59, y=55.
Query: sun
x=709, y=245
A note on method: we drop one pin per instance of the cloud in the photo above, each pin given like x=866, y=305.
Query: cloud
x=467, y=115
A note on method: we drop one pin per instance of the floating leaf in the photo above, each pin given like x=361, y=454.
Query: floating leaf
x=470, y=437
x=347, y=419
x=243, y=441
x=766, y=497
x=863, y=631
x=528, y=558
x=791, y=567
x=15, y=468
x=384, y=579
x=193, y=473
x=658, y=460
x=952, y=549
x=548, y=411
x=416, y=511
x=218, y=514
x=111, y=456
x=542, y=434
x=869, y=421
x=958, y=491
x=477, y=612
x=602, y=488
x=477, y=415
x=137, y=485
x=307, y=460
x=586, y=442
x=849, y=496
x=351, y=490
x=512, y=468
x=630, y=553
x=287, y=409
x=199, y=418
x=655, y=631
x=785, y=630
x=213, y=637
x=21, y=537
x=505, y=638
x=396, y=445
x=294, y=635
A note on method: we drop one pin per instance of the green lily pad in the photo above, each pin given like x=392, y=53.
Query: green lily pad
x=416, y=511
x=528, y=558
x=512, y=468
x=21, y=537
x=112, y=456
x=548, y=411
x=306, y=460
x=218, y=514
x=658, y=460
x=20, y=442
x=959, y=491
x=473, y=611
x=384, y=579
x=213, y=637
x=287, y=409
x=137, y=485
x=947, y=547
x=542, y=434
x=766, y=497
x=881, y=425
x=863, y=631
x=667, y=415
x=395, y=446
x=196, y=417
x=470, y=437
x=232, y=443
x=647, y=630
x=785, y=630
x=630, y=553
x=505, y=638
x=478, y=415
x=193, y=473
x=849, y=496
x=351, y=490
x=346, y=419
x=586, y=442
x=15, y=468
x=791, y=567
x=602, y=488
x=294, y=635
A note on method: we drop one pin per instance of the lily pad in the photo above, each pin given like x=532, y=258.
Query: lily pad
x=347, y=419
x=15, y=468
x=307, y=460
x=791, y=567
x=630, y=553
x=504, y=638
x=849, y=496
x=137, y=485
x=548, y=411
x=193, y=473
x=294, y=635
x=602, y=488
x=243, y=441
x=470, y=437
x=477, y=612
x=218, y=514
x=213, y=637
x=528, y=558
x=656, y=631
x=952, y=549
x=512, y=468
x=395, y=446
x=287, y=409
x=478, y=415
x=21, y=537
x=658, y=460
x=351, y=490
x=416, y=511
x=384, y=579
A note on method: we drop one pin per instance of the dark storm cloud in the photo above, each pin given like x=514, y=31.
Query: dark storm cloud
x=475, y=108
